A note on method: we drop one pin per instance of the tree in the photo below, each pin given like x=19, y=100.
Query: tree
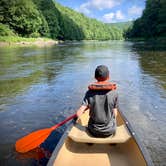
x=21, y=16
x=152, y=22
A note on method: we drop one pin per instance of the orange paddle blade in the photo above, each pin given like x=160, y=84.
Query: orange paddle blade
x=32, y=140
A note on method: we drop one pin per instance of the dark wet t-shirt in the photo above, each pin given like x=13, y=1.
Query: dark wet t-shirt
x=102, y=120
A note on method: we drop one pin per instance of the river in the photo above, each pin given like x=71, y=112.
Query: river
x=40, y=87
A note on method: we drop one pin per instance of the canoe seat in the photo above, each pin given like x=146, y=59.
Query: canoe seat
x=79, y=133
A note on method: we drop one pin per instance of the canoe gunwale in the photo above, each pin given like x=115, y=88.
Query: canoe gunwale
x=136, y=138
x=60, y=143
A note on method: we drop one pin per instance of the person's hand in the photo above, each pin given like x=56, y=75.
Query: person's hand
x=115, y=110
x=79, y=113
x=81, y=110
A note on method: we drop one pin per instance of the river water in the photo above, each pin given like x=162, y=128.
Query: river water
x=40, y=87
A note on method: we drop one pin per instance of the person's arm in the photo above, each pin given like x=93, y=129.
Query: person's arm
x=84, y=106
x=115, y=110
x=81, y=110
x=116, y=106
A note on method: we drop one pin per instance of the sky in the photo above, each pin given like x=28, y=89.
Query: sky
x=108, y=11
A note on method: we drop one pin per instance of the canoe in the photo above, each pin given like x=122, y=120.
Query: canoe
x=78, y=148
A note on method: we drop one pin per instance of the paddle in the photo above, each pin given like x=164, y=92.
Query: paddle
x=34, y=139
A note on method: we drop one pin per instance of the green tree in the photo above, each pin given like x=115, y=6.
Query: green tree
x=51, y=15
x=21, y=16
x=152, y=22
x=33, y=18
x=161, y=27
x=5, y=30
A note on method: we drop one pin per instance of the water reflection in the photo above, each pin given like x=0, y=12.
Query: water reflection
x=23, y=67
x=153, y=60
x=40, y=87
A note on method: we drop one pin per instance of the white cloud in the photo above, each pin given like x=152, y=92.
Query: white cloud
x=113, y=17
x=84, y=8
x=135, y=10
x=87, y=7
x=108, y=17
x=119, y=15
x=104, y=4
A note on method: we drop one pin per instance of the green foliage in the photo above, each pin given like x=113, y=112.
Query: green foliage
x=77, y=26
x=47, y=18
x=161, y=27
x=30, y=40
x=122, y=25
x=5, y=30
x=16, y=39
x=21, y=16
x=152, y=23
x=50, y=14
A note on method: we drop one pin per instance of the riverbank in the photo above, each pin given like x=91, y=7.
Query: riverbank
x=139, y=39
x=13, y=41
x=10, y=41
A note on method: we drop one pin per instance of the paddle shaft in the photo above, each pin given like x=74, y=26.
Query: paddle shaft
x=63, y=122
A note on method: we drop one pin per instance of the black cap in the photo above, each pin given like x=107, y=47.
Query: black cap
x=101, y=73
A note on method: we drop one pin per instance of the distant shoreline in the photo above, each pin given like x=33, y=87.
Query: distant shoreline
x=39, y=42
x=10, y=41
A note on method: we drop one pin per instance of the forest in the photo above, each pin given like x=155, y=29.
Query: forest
x=47, y=18
x=152, y=23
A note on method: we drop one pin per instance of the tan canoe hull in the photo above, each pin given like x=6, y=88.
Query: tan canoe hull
x=72, y=153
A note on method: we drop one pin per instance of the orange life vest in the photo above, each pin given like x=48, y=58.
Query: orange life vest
x=102, y=86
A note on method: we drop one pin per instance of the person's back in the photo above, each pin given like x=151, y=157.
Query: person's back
x=102, y=100
x=102, y=120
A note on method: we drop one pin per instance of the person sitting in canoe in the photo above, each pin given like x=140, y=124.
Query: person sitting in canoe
x=102, y=101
